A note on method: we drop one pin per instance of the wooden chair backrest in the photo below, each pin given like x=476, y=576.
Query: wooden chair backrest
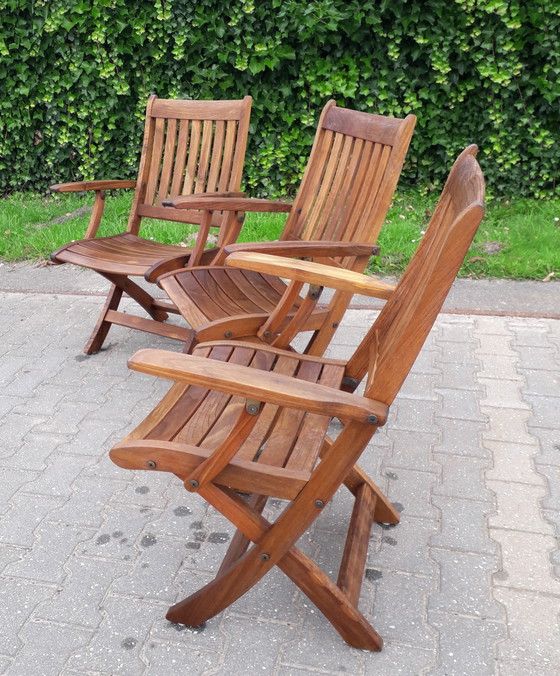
x=391, y=346
x=189, y=147
x=353, y=169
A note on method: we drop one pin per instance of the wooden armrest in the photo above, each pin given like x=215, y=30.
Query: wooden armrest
x=311, y=273
x=80, y=186
x=308, y=249
x=259, y=385
x=203, y=201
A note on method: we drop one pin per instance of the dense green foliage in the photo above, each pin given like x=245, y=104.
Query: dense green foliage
x=75, y=76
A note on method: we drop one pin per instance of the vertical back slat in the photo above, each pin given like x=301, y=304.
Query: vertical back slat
x=202, y=174
x=227, y=160
x=156, y=161
x=345, y=154
x=344, y=219
x=194, y=148
x=317, y=215
x=216, y=158
x=180, y=158
x=168, y=160
x=309, y=186
x=373, y=212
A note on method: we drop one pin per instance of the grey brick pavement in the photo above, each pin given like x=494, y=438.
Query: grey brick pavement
x=91, y=555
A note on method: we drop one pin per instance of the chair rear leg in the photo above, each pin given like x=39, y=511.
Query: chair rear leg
x=101, y=328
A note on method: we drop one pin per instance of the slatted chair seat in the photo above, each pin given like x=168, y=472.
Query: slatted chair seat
x=190, y=148
x=132, y=255
x=280, y=452
x=343, y=199
x=249, y=418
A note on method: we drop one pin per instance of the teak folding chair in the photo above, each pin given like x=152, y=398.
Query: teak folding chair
x=336, y=217
x=244, y=418
x=190, y=147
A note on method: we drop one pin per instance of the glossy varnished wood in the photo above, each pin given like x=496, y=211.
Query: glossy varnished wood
x=336, y=216
x=190, y=148
x=251, y=418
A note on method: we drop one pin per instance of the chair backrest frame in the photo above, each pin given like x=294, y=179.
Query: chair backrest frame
x=390, y=347
x=189, y=147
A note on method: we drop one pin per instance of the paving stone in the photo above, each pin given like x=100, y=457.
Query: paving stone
x=455, y=329
x=67, y=418
x=552, y=501
x=518, y=667
x=426, y=361
x=18, y=599
x=460, y=377
x=411, y=489
x=463, y=525
x=34, y=452
x=513, y=462
x=48, y=646
x=79, y=598
x=508, y=425
x=57, y=478
x=154, y=570
x=460, y=405
x=405, y=547
x=91, y=438
x=501, y=367
x=549, y=451
x=399, y=660
x=545, y=412
x=54, y=544
x=462, y=477
x=489, y=325
x=180, y=658
x=463, y=437
x=458, y=354
x=466, y=645
x=12, y=480
x=420, y=386
x=518, y=507
x=25, y=382
x=533, y=630
x=274, y=600
x=14, y=429
x=116, y=646
x=9, y=554
x=182, y=517
x=260, y=654
x=412, y=450
x=146, y=489
x=539, y=358
x=85, y=504
x=465, y=585
x=502, y=394
x=128, y=522
x=9, y=368
x=526, y=561
x=317, y=645
x=402, y=617
x=541, y=384
x=23, y=515
x=495, y=344
x=530, y=334
x=414, y=415
x=8, y=404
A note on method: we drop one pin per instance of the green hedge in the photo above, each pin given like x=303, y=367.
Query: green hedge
x=76, y=74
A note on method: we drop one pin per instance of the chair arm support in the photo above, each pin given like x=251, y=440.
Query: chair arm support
x=311, y=273
x=81, y=186
x=307, y=249
x=264, y=386
x=204, y=201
